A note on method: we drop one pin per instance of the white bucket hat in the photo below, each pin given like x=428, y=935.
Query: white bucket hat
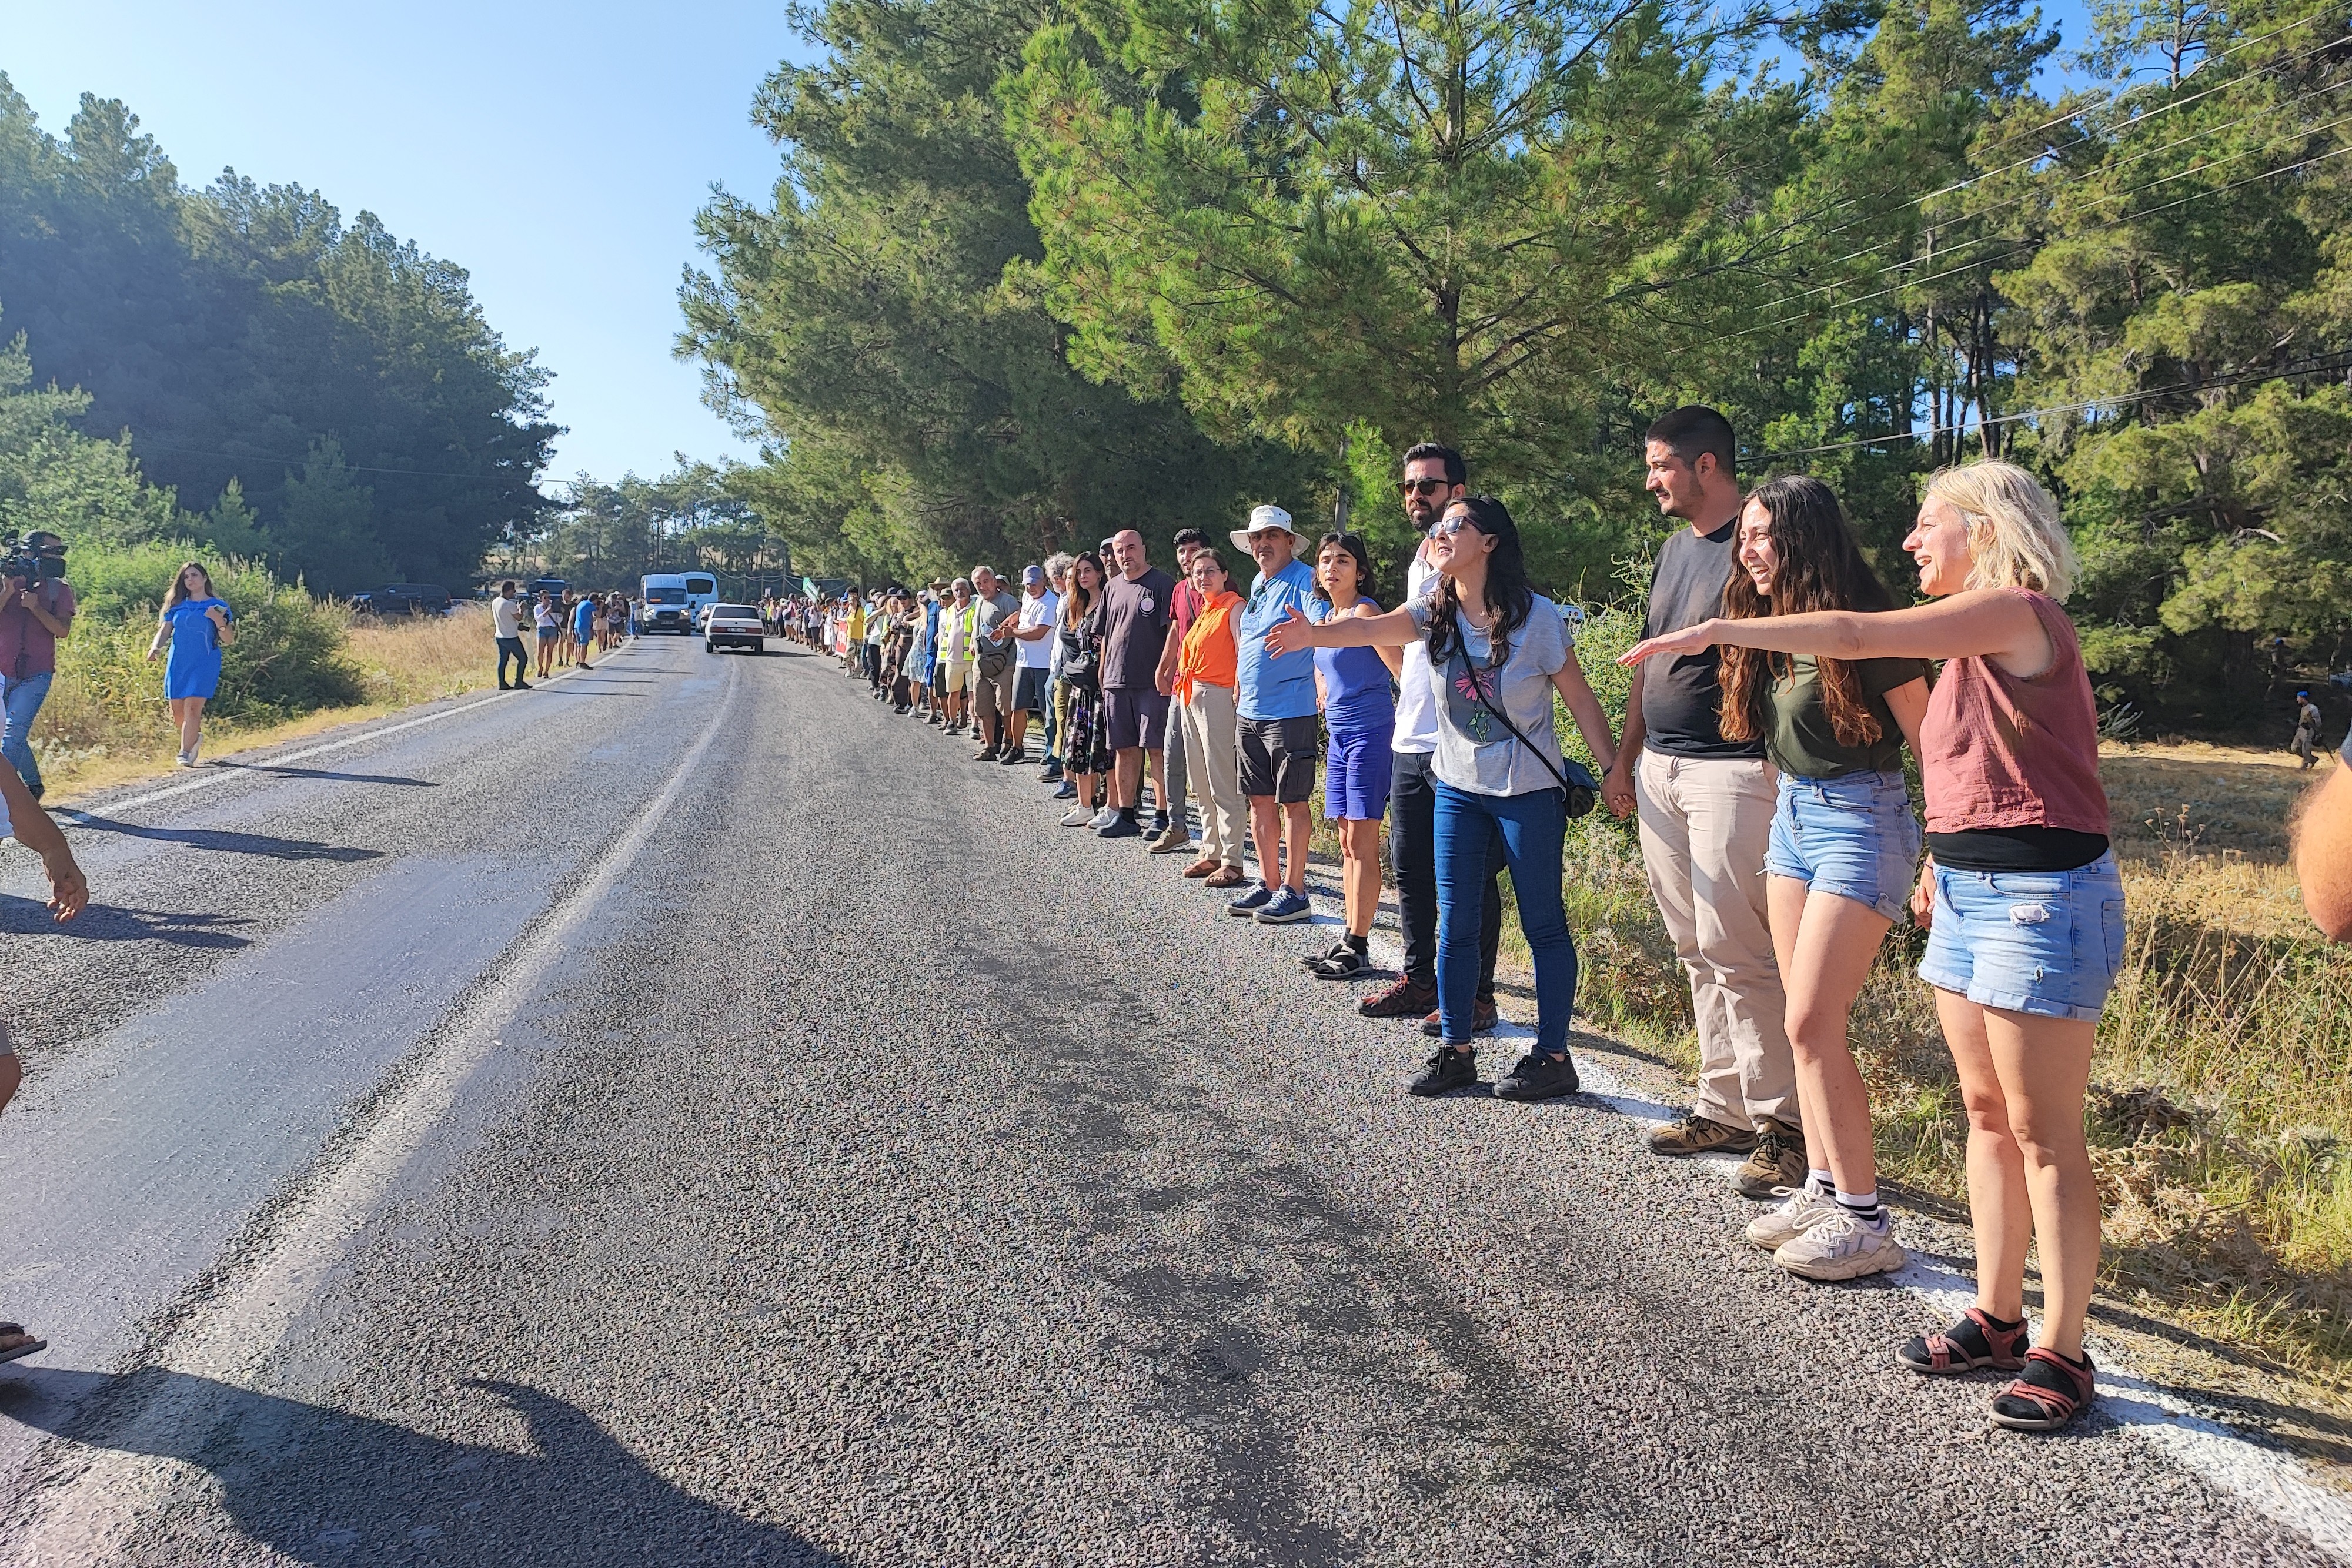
x=1264, y=520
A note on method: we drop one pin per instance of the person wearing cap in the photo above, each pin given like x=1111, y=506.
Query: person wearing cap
x=2305, y=743
x=1275, y=698
x=1134, y=622
x=1032, y=651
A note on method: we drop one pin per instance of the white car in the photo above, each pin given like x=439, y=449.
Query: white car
x=734, y=626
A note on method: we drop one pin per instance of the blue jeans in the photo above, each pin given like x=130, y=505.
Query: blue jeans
x=23, y=699
x=511, y=648
x=1524, y=833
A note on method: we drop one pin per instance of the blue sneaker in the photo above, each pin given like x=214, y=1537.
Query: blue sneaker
x=1068, y=791
x=1250, y=903
x=1285, y=908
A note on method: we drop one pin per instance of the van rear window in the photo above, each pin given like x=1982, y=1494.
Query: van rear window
x=701, y=585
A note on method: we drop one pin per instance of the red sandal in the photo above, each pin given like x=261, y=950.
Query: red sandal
x=2048, y=1395
x=1975, y=1340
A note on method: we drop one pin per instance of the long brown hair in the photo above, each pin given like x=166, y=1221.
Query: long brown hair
x=1817, y=566
x=179, y=590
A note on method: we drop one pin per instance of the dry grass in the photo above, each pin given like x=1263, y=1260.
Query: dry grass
x=100, y=728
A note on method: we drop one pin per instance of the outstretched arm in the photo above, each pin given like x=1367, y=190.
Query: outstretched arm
x=1390, y=629
x=1985, y=622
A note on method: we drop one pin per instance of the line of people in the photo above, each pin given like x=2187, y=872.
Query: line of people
x=1774, y=692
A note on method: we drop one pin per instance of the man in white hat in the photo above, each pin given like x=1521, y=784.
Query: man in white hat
x=1277, y=701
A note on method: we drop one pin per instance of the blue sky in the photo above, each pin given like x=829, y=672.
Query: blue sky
x=558, y=152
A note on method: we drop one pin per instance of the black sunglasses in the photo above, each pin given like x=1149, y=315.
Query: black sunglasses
x=1422, y=486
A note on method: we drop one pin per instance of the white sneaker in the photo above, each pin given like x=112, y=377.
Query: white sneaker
x=1800, y=1209
x=1842, y=1247
x=1077, y=817
x=1103, y=819
x=185, y=760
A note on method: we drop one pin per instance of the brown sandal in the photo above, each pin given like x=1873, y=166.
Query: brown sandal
x=2043, y=1401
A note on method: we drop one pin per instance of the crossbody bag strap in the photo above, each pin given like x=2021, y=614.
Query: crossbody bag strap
x=1479, y=691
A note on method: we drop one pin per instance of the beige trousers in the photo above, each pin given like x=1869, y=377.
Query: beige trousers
x=1705, y=823
x=1212, y=760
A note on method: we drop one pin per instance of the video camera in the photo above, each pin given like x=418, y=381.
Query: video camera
x=36, y=564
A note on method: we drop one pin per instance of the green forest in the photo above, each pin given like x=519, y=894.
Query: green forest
x=1033, y=271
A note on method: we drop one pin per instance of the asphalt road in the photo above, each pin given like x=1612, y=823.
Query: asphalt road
x=690, y=1116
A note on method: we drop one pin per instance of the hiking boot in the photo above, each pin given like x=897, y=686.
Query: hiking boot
x=1539, y=1075
x=1171, y=842
x=1843, y=1245
x=1406, y=999
x=1696, y=1134
x=1800, y=1209
x=1776, y=1161
x=1446, y=1071
x=1226, y=876
x=1483, y=1020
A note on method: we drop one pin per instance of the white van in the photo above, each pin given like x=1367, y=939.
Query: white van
x=662, y=605
x=701, y=593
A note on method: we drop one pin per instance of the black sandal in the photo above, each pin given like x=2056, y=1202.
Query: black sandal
x=30, y=1347
x=1341, y=963
x=2049, y=1394
x=1977, y=1340
x=1339, y=946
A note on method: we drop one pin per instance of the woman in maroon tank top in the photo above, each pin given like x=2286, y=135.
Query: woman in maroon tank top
x=2020, y=894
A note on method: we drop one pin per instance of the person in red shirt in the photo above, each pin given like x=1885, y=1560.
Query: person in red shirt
x=35, y=617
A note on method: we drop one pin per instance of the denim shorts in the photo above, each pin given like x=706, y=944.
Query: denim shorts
x=1852, y=836
x=2047, y=943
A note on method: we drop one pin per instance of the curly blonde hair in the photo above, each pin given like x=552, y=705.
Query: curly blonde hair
x=2016, y=538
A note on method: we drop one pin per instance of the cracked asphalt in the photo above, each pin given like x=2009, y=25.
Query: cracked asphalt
x=813, y=1154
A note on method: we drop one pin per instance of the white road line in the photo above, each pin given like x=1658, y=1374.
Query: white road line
x=208, y=780
x=91, y=1516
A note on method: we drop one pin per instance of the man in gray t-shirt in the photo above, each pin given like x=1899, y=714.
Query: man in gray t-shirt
x=1704, y=808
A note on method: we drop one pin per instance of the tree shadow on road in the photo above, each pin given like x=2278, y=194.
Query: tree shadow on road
x=111, y=923
x=328, y=773
x=230, y=842
x=322, y=1486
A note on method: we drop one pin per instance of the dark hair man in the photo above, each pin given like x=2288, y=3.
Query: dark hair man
x=1434, y=477
x=1704, y=808
x=35, y=617
x=506, y=625
x=1168, y=820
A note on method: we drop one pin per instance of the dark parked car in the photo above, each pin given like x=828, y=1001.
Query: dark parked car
x=406, y=599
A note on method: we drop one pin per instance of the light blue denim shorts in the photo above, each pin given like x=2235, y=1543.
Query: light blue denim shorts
x=2043, y=942
x=1852, y=836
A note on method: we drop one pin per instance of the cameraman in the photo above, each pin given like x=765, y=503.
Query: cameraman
x=21, y=819
x=37, y=611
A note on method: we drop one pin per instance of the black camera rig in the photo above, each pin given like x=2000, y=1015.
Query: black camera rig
x=36, y=564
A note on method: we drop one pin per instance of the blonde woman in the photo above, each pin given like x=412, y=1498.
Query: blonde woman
x=2021, y=896
x=197, y=627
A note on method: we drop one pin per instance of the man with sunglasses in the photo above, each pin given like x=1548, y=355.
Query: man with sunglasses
x=1434, y=477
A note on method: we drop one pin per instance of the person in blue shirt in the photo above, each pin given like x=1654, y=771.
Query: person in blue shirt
x=1275, y=698
x=196, y=626
x=583, y=627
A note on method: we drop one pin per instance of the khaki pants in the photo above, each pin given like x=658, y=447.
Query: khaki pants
x=992, y=695
x=1212, y=754
x=1705, y=821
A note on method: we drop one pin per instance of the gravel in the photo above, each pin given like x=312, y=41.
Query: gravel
x=886, y=1175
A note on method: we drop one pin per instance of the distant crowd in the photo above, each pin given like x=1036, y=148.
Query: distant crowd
x=1774, y=695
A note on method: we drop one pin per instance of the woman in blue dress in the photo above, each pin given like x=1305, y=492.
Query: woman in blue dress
x=197, y=627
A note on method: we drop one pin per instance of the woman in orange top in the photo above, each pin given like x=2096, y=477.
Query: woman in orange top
x=1204, y=685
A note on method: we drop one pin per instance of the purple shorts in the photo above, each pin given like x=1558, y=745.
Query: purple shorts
x=1356, y=775
x=1134, y=717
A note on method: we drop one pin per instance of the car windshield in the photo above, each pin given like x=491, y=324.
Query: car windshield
x=737, y=612
x=664, y=596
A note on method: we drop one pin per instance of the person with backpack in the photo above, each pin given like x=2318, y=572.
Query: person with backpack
x=1499, y=651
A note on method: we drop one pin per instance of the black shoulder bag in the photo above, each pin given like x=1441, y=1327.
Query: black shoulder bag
x=1578, y=783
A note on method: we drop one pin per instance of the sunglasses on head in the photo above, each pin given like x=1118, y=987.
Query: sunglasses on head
x=1422, y=486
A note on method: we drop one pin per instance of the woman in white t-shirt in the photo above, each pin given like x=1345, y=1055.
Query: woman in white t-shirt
x=1498, y=651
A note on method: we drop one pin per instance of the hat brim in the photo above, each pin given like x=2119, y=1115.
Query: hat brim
x=1241, y=537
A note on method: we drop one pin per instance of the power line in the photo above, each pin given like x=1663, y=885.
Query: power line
x=2326, y=364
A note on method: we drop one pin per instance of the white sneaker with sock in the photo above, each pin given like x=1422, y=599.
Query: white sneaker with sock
x=1800, y=1209
x=1843, y=1245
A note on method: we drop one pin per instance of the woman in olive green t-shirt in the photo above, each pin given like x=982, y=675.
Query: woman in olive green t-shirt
x=1844, y=849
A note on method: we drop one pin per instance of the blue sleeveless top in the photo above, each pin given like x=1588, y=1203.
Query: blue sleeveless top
x=1356, y=693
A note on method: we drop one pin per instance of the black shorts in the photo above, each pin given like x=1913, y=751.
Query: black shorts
x=1029, y=689
x=1135, y=717
x=1277, y=758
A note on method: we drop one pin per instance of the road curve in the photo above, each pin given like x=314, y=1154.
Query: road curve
x=689, y=1114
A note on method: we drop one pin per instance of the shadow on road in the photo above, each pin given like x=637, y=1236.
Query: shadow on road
x=110, y=923
x=328, y=773
x=230, y=842
x=322, y=1486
